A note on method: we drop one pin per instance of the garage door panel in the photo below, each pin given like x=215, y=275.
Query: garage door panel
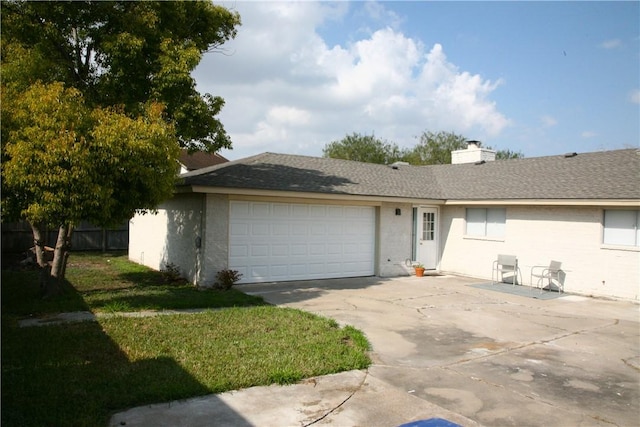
x=260, y=210
x=281, y=270
x=317, y=249
x=239, y=210
x=280, y=250
x=281, y=210
x=280, y=230
x=334, y=249
x=239, y=229
x=280, y=241
x=259, y=251
x=318, y=230
x=260, y=229
x=317, y=211
x=239, y=251
x=299, y=230
x=298, y=250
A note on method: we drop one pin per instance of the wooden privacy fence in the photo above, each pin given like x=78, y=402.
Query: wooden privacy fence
x=17, y=237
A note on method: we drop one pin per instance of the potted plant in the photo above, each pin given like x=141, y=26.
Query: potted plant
x=419, y=268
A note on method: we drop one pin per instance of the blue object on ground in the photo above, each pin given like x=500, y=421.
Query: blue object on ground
x=431, y=422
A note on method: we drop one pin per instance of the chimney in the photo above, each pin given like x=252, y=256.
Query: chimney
x=474, y=153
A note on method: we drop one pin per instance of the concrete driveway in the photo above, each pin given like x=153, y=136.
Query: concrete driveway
x=494, y=358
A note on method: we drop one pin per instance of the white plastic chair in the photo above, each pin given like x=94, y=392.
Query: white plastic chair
x=505, y=264
x=552, y=273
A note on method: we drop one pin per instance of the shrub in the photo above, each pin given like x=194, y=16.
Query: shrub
x=226, y=278
x=171, y=273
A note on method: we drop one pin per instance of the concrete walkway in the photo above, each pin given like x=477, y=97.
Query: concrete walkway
x=87, y=316
x=442, y=348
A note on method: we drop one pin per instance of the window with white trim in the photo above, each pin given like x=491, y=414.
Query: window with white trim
x=486, y=222
x=621, y=227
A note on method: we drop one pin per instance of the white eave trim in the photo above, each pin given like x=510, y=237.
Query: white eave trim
x=247, y=192
x=374, y=200
x=546, y=202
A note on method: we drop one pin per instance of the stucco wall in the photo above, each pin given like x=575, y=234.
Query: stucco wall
x=169, y=237
x=215, y=244
x=537, y=235
x=394, y=239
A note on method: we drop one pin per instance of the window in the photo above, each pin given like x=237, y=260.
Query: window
x=428, y=225
x=621, y=228
x=486, y=222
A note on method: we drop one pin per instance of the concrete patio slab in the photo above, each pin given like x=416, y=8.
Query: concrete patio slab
x=496, y=358
x=442, y=348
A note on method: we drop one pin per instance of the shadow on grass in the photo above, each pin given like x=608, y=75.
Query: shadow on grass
x=170, y=298
x=75, y=374
x=144, y=278
x=22, y=297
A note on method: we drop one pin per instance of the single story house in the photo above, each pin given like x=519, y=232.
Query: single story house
x=278, y=217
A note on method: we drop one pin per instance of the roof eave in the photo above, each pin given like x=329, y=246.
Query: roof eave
x=248, y=192
x=546, y=202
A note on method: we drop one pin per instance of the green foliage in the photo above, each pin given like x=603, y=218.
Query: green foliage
x=363, y=148
x=508, y=154
x=171, y=273
x=226, y=278
x=122, y=54
x=64, y=162
x=435, y=148
x=96, y=98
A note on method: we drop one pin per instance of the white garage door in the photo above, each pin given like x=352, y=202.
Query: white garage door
x=286, y=241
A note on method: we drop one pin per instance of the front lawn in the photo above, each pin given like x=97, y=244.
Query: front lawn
x=110, y=282
x=79, y=374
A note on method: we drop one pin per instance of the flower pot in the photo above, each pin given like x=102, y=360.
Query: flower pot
x=419, y=271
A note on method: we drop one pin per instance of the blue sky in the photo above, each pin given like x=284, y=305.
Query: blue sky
x=543, y=78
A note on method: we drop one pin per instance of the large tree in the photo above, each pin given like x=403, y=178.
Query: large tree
x=434, y=148
x=97, y=97
x=363, y=148
x=64, y=162
x=123, y=53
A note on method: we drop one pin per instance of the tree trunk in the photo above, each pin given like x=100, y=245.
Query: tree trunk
x=65, y=259
x=52, y=273
x=38, y=243
x=61, y=252
x=39, y=251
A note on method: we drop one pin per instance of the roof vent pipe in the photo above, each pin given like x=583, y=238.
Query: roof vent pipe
x=567, y=155
x=396, y=165
x=472, y=143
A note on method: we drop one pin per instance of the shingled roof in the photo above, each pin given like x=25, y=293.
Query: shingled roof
x=599, y=175
x=199, y=159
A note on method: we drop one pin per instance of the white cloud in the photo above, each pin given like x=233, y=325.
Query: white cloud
x=548, y=121
x=380, y=14
x=286, y=90
x=611, y=44
x=635, y=96
x=588, y=134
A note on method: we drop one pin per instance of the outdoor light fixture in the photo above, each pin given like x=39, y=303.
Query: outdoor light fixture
x=398, y=212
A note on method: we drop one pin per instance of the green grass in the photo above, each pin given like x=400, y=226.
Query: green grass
x=110, y=282
x=79, y=374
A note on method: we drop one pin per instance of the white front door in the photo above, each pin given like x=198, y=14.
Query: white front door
x=427, y=237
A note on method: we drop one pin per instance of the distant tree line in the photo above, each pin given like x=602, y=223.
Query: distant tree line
x=433, y=148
